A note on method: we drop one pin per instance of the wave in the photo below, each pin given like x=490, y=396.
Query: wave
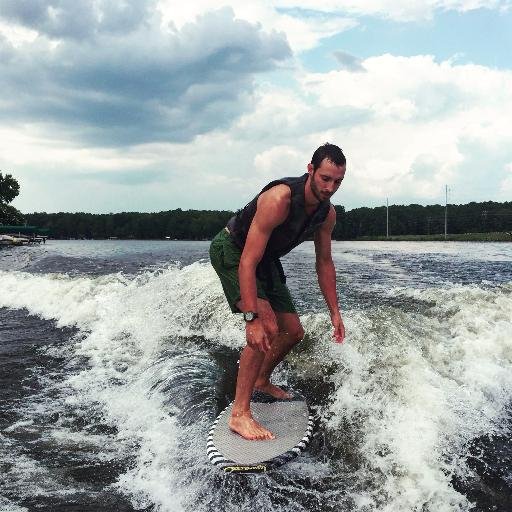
x=418, y=388
x=399, y=402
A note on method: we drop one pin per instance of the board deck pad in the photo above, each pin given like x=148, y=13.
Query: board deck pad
x=289, y=420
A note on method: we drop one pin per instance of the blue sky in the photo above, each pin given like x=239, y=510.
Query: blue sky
x=482, y=36
x=150, y=105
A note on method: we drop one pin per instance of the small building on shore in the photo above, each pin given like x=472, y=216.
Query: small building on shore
x=29, y=234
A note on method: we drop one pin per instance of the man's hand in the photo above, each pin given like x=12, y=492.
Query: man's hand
x=339, y=328
x=256, y=336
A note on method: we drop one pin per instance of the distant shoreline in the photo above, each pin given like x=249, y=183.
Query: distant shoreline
x=470, y=222
x=462, y=237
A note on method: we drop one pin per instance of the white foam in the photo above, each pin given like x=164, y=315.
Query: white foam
x=125, y=323
x=26, y=477
x=411, y=389
x=8, y=506
x=420, y=387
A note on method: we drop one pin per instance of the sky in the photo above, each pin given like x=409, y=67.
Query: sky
x=152, y=105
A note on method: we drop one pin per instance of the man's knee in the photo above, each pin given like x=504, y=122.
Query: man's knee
x=297, y=333
x=290, y=325
x=294, y=333
x=271, y=329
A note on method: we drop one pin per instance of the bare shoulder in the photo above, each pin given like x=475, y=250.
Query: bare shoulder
x=275, y=203
x=280, y=193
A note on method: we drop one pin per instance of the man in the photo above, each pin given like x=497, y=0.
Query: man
x=246, y=255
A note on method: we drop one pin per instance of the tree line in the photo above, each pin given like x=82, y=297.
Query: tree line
x=180, y=224
x=415, y=219
x=174, y=224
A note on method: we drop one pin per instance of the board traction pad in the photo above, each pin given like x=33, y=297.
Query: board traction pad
x=290, y=421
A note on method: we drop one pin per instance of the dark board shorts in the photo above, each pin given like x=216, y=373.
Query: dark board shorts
x=225, y=258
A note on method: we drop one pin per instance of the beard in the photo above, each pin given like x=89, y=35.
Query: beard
x=316, y=191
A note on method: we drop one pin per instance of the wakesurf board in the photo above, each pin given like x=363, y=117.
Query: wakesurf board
x=290, y=420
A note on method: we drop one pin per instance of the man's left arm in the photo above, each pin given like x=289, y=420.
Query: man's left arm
x=327, y=273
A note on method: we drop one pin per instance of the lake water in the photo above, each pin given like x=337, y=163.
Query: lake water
x=116, y=356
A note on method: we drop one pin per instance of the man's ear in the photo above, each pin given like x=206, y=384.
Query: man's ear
x=310, y=169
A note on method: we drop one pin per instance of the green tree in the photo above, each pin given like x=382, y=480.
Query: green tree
x=9, y=189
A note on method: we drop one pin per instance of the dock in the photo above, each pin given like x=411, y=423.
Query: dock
x=22, y=235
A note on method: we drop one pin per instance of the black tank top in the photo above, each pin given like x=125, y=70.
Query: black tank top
x=297, y=227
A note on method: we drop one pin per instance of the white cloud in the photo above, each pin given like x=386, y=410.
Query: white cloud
x=103, y=86
x=418, y=107
x=408, y=125
x=506, y=184
x=400, y=10
x=307, y=22
x=269, y=162
x=16, y=34
x=302, y=31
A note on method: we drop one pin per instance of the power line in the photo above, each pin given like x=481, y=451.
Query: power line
x=446, y=214
x=387, y=218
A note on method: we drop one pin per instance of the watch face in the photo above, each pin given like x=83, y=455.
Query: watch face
x=248, y=316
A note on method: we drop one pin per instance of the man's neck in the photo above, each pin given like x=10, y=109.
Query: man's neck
x=311, y=202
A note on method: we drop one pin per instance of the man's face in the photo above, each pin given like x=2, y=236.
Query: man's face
x=326, y=179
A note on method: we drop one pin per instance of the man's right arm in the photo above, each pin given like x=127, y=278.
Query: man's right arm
x=272, y=209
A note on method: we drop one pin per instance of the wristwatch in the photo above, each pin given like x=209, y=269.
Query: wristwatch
x=249, y=316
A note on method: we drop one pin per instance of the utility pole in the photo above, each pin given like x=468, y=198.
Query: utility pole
x=446, y=213
x=387, y=218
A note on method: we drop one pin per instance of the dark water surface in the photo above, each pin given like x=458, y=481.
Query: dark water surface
x=116, y=356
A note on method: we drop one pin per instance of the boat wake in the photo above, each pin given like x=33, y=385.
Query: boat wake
x=153, y=358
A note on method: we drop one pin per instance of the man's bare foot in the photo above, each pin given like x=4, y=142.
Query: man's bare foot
x=270, y=389
x=246, y=426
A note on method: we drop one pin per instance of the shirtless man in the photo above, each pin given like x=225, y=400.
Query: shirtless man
x=246, y=255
